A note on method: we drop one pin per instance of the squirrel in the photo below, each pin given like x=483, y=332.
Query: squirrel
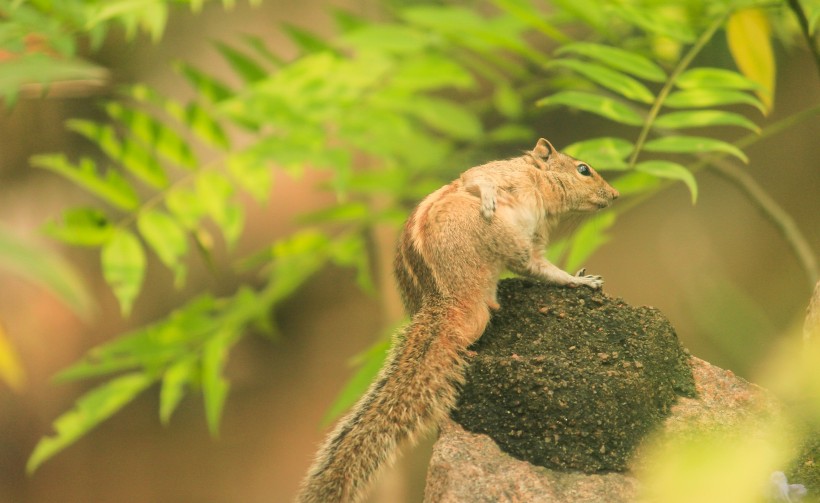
x=451, y=252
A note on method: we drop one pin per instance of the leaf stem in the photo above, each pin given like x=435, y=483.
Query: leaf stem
x=782, y=221
x=669, y=84
x=803, y=21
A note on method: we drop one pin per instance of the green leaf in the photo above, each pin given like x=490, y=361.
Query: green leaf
x=672, y=171
x=47, y=270
x=207, y=86
x=507, y=101
x=610, y=79
x=596, y=104
x=510, y=133
x=171, y=145
x=714, y=77
x=90, y=410
x=111, y=187
x=132, y=155
x=351, y=250
x=391, y=38
x=153, y=347
x=656, y=21
x=205, y=126
x=214, y=191
x=701, y=98
x=347, y=21
x=813, y=16
x=306, y=41
x=214, y=385
x=369, y=364
x=590, y=236
x=102, y=135
x=617, y=58
x=294, y=260
x=429, y=72
x=168, y=240
x=123, y=265
x=693, y=144
x=258, y=45
x=704, y=118
x=154, y=134
x=634, y=182
x=143, y=164
x=40, y=69
x=82, y=227
x=446, y=116
x=344, y=212
x=174, y=381
x=748, y=33
x=526, y=12
x=186, y=206
x=603, y=154
x=246, y=67
x=252, y=174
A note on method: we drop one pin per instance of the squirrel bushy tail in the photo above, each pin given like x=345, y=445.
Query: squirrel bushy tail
x=415, y=389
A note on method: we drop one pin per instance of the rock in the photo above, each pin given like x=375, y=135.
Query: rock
x=576, y=394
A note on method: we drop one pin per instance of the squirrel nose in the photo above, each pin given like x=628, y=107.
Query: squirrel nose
x=615, y=194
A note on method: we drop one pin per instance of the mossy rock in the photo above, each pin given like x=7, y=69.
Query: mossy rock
x=806, y=468
x=570, y=378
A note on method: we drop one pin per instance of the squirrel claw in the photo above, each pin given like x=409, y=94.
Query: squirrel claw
x=591, y=280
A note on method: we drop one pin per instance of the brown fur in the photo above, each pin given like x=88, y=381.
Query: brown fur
x=453, y=248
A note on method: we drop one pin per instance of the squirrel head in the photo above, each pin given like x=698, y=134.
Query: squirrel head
x=584, y=188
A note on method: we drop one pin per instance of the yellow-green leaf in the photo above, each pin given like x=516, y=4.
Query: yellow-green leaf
x=617, y=58
x=748, y=33
x=611, y=79
x=704, y=118
x=11, y=370
x=91, y=409
x=214, y=385
x=123, y=265
x=168, y=240
x=174, y=381
x=47, y=270
x=681, y=144
x=607, y=153
x=594, y=103
x=672, y=171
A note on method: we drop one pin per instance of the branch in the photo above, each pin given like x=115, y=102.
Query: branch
x=756, y=194
x=682, y=65
x=774, y=212
x=803, y=21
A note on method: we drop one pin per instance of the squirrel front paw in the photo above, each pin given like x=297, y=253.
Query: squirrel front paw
x=487, y=205
x=593, y=281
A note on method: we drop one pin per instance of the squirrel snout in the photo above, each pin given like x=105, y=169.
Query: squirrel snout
x=615, y=194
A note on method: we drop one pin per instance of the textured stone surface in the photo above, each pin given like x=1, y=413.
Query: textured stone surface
x=574, y=380
x=470, y=467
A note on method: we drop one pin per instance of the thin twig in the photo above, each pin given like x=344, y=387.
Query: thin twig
x=756, y=194
x=682, y=65
x=803, y=21
x=774, y=212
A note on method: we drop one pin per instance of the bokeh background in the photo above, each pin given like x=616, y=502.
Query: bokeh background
x=718, y=270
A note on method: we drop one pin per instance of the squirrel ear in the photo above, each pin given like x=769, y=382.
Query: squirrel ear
x=543, y=149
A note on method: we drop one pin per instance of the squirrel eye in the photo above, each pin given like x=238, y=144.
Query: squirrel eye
x=584, y=170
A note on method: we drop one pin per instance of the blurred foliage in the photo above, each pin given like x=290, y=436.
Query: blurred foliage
x=738, y=465
x=384, y=107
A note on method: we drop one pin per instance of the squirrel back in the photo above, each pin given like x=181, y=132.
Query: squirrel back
x=452, y=250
